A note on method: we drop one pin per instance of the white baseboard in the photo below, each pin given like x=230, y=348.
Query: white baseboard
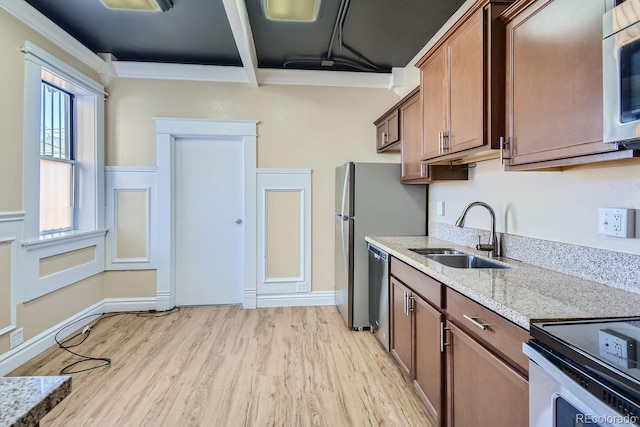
x=249, y=298
x=41, y=342
x=297, y=300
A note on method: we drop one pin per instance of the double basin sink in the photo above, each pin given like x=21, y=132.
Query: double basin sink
x=457, y=259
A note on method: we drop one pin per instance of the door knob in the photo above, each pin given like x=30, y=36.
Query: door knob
x=238, y=221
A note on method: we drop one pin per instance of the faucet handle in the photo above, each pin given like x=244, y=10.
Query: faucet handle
x=479, y=243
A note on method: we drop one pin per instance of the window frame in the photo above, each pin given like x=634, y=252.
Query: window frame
x=89, y=222
x=69, y=157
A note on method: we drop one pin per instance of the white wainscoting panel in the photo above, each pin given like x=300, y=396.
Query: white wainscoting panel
x=11, y=234
x=131, y=181
x=274, y=181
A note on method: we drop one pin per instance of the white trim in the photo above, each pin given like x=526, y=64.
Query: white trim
x=284, y=180
x=10, y=232
x=167, y=131
x=45, y=60
x=270, y=76
x=64, y=238
x=249, y=298
x=297, y=300
x=41, y=342
x=43, y=25
x=190, y=72
x=35, y=286
x=11, y=216
x=124, y=179
x=130, y=169
x=241, y=28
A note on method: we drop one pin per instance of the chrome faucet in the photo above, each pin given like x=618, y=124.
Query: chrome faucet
x=492, y=247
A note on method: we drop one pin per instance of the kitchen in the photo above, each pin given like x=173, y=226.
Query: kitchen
x=300, y=127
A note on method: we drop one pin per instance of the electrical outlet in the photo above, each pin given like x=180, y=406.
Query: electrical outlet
x=617, y=348
x=617, y=222
x=301, y=287
x=16, y=338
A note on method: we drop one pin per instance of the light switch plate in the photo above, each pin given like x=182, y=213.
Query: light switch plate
x=617, y=222
x=440, y=208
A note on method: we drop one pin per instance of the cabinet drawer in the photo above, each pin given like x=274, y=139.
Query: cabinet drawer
x=428, y=288
x=503, y=336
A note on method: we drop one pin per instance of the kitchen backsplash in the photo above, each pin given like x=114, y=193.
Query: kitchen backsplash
x=616, y=269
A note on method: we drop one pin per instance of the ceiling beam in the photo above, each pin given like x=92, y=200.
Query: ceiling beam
x=241, y=28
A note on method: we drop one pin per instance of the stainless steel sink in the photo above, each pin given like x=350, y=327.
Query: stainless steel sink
x=437, y=251
x=465, y=261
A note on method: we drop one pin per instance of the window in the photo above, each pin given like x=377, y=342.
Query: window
x=63, y=172
x=57, y=159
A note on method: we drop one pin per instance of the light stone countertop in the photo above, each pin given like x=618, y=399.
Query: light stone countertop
x=523, y=293
x=24, y=401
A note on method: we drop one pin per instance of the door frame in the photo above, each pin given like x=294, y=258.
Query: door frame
x=168, y=131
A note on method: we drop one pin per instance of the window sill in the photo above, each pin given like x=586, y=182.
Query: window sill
x=61, y=238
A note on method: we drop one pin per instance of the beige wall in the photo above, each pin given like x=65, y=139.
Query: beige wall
x=57, y=263
x=283, y=234
x=130, y=284
x=558, y=206
x=300, y=127
x=41, y=313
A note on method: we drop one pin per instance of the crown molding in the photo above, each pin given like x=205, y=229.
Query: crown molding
x=270, y=76
x=195, y=72
x=24, y=12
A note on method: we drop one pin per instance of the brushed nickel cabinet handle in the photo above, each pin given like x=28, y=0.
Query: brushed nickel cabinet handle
x=475, y=323
x=443, y=344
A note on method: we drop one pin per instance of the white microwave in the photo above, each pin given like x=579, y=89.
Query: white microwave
x=621, y=73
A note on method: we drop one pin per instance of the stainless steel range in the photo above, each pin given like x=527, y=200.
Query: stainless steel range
x=584, y=373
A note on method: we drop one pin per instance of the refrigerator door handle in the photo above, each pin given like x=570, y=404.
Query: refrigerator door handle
x=345, y=190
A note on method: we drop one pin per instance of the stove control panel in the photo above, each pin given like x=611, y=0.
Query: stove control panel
x=617, y=348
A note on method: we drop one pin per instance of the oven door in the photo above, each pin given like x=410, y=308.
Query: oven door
x=621, y=74
x=557, y=400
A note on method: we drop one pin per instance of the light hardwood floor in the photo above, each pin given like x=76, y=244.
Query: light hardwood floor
x=225, y=366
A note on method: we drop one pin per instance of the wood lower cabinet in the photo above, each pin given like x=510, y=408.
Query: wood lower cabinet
x=481, y=388
x=428, y=356
x=401, y=327
x=465, y=361
x=554, y=82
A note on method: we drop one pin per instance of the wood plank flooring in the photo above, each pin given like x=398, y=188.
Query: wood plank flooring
x=225, y=366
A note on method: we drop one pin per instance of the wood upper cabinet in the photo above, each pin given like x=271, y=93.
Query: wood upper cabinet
x=554, y=81
x=388, y=130
x=462, y=86
x=414, y=170
x=482, y=389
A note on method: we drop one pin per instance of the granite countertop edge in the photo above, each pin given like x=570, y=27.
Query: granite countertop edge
x=527, y=293
x=24, y=401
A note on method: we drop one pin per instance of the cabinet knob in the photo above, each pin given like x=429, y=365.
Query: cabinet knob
x=238, y=221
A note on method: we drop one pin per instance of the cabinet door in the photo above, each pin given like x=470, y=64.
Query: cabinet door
x=466, y=88
x=433, y=91
x=393, y=127
x=401, y=326
x=428, y=357
x=482, y=390
x=554, y=81
x=410, y=121
x=382, y=135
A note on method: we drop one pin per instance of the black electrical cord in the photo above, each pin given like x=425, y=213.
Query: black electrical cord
x=102, y=362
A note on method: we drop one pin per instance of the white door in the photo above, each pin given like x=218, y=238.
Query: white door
x=208, y=223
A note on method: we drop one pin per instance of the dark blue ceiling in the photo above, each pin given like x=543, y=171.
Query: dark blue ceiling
x=387, y=33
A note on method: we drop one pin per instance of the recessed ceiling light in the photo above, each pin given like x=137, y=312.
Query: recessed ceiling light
x=144, y=5
x=292, y=10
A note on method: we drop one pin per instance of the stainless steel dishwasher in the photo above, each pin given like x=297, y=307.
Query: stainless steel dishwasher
x=379, y=294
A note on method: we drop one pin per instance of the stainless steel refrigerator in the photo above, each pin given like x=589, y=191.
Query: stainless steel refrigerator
x=370, y=201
